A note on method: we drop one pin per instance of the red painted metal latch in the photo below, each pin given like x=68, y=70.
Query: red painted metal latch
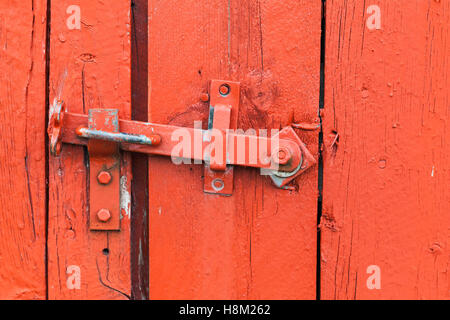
x=281, y=154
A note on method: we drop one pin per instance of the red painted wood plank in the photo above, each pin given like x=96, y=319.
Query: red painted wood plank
x=261, y=242
x=386, y=196
x=22, y=152
x=95, y=52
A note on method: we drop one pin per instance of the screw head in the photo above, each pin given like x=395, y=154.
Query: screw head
x=104, y=215
x=204, y=97
x=104, y=177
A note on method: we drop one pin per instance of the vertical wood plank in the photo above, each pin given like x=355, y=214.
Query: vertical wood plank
x=261, y=242
x=22, y=151
x=84, y=264
x=139, y=185
x=386, y=195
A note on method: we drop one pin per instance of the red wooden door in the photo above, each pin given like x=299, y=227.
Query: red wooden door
x=385, y=223
x=260, y=243
x=384, y=230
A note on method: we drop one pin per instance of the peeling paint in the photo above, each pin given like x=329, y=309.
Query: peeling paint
x=125, y=197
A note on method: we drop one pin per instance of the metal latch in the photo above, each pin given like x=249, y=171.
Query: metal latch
x=282, y=156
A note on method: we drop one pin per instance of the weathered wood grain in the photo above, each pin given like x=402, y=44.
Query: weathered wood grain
x=261, y=242
x=386, y=195
x=22, y=151
x=97, y=60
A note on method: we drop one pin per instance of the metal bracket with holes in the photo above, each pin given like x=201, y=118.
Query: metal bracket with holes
x=223, y=115
x=104, y=167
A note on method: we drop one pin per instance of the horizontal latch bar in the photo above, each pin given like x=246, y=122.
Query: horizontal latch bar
x=240, y=148
x=280, y=153
x=119, y=137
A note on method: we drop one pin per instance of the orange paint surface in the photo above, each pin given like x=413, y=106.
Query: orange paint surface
x=259, y=243
x=386, y=182
x=22, y=151
x=97, y=60
x=386, y=151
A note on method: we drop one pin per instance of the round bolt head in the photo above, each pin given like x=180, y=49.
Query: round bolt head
x=204, y=97
x=104, y=215
x=282, y=156
x=224, y=89
x=104, y=177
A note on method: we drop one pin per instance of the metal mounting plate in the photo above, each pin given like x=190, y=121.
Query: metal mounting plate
x=104, y=164
x=223, y=115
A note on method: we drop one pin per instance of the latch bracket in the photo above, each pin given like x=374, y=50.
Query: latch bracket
x=223, y=115
x=104, y=172
x=282, y=156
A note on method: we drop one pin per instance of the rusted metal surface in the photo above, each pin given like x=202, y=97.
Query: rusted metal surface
x=104, y=163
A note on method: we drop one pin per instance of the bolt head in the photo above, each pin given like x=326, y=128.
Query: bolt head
x=282, y=156
x=104, y=215
x=224, y=89
x=204, y=97
x=104, y=177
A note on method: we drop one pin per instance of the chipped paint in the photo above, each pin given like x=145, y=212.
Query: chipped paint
x=125, y=198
